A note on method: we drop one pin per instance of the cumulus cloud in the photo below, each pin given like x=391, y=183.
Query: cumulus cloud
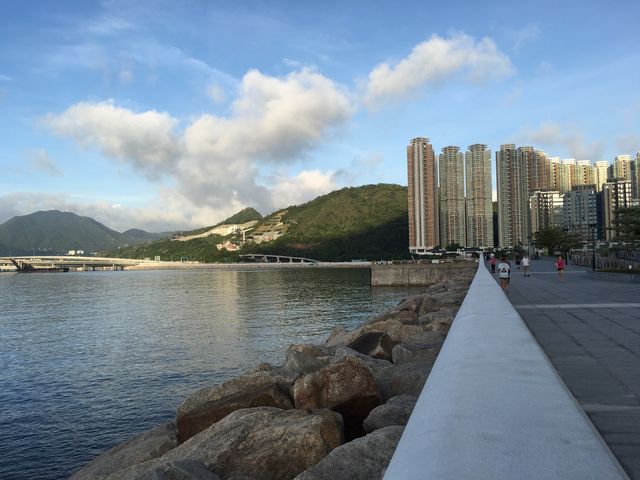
x=302, y=187
x=217, y=165
x=434, y=61
x=41, y=161
x=147, y=139
x=273, y=119
x=551, y=135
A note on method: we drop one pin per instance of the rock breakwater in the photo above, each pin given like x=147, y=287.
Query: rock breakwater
x=330, y=411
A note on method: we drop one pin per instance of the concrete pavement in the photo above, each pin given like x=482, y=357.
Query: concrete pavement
x=590, y=330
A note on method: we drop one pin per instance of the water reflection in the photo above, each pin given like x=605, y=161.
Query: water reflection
x=88, y=359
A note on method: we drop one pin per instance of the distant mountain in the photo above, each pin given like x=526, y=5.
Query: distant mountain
x=56, y=232
x=135, y=235
x=368, y=222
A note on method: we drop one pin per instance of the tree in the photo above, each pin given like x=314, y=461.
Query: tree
x=548, y=238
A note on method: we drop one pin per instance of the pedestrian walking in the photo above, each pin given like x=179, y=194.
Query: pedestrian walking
x=518, y=258
x=492, y=262
x=504, y=273
x=525, y=265
x=560, y=267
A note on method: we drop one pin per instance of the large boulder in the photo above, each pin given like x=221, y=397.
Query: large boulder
x=396, y=411
x=440, y=320
x=375, y=344
x=348, y=387
x=414, y=352
x=301, y=361
x=263, y=443
x=262, y=387
x=146, y=446
x=405, y=312
x=417, y=334
x=364, y=458
x=376, y=365
x=406, y=378
x=177, y=470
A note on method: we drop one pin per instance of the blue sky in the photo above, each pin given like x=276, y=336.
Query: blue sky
x=169, y=115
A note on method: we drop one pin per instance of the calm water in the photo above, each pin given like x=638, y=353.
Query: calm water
x=88, y=359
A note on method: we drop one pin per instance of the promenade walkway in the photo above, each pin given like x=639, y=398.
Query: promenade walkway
x=590, y=330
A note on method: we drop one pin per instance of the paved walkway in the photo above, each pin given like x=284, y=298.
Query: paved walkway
x=590, y=330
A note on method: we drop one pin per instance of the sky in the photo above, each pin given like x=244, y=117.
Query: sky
x=169, y=115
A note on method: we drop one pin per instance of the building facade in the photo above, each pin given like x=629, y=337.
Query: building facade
x=479, y=208
x=452, y=201
x=615, y=194
x=546, y=210
x=512, y=179
x=422, y=172
x=580, y=214
x=600, y=173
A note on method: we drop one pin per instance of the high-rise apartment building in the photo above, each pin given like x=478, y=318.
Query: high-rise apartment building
x=583, y=174
x=554, y=173
x=452, y=208
x=512, y=178
x=567, y=174
x=615, y=194
x=546, y=210
x=621, y=167
x=600, y=173
x=580, y=211
x=635, y=179
x=538, y=168
x=479, y=209
x=422, y=171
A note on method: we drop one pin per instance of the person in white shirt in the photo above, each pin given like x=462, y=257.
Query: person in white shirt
x=525, y=265
x=504, y=273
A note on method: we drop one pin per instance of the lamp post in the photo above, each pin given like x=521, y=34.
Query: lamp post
x=593, y=246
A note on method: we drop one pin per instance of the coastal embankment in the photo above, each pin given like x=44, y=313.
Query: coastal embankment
x=332, y=410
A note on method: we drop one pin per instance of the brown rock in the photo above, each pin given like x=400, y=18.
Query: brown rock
x=375, y=344
x=348, y=387
x=144, y=447
x=364, y=458
x=406, y=378
x=209, y=405
x=396, y=411
x=262, y=443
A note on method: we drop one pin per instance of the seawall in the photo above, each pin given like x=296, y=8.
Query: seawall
x=417, y=274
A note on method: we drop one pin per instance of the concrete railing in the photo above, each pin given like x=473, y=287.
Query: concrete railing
x=493, y=407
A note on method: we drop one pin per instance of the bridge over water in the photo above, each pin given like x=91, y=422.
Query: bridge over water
x=47, y=262
x=261, y=257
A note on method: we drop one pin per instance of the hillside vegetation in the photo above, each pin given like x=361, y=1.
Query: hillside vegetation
x=368, y=222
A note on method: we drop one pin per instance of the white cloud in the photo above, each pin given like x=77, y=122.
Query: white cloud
x=301, y=188
x=213, y=167
x=147, y=139
x=434, y=61
x=551, y=135
x=273, y=119
x=40, y=161
x=215, y=93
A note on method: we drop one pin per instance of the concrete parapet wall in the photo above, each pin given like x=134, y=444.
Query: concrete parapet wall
x=493, y=407
x=416, y=274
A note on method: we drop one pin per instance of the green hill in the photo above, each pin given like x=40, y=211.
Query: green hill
x=368, y=222
x=243, y=216
x=55, y=232
x=356, y=222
